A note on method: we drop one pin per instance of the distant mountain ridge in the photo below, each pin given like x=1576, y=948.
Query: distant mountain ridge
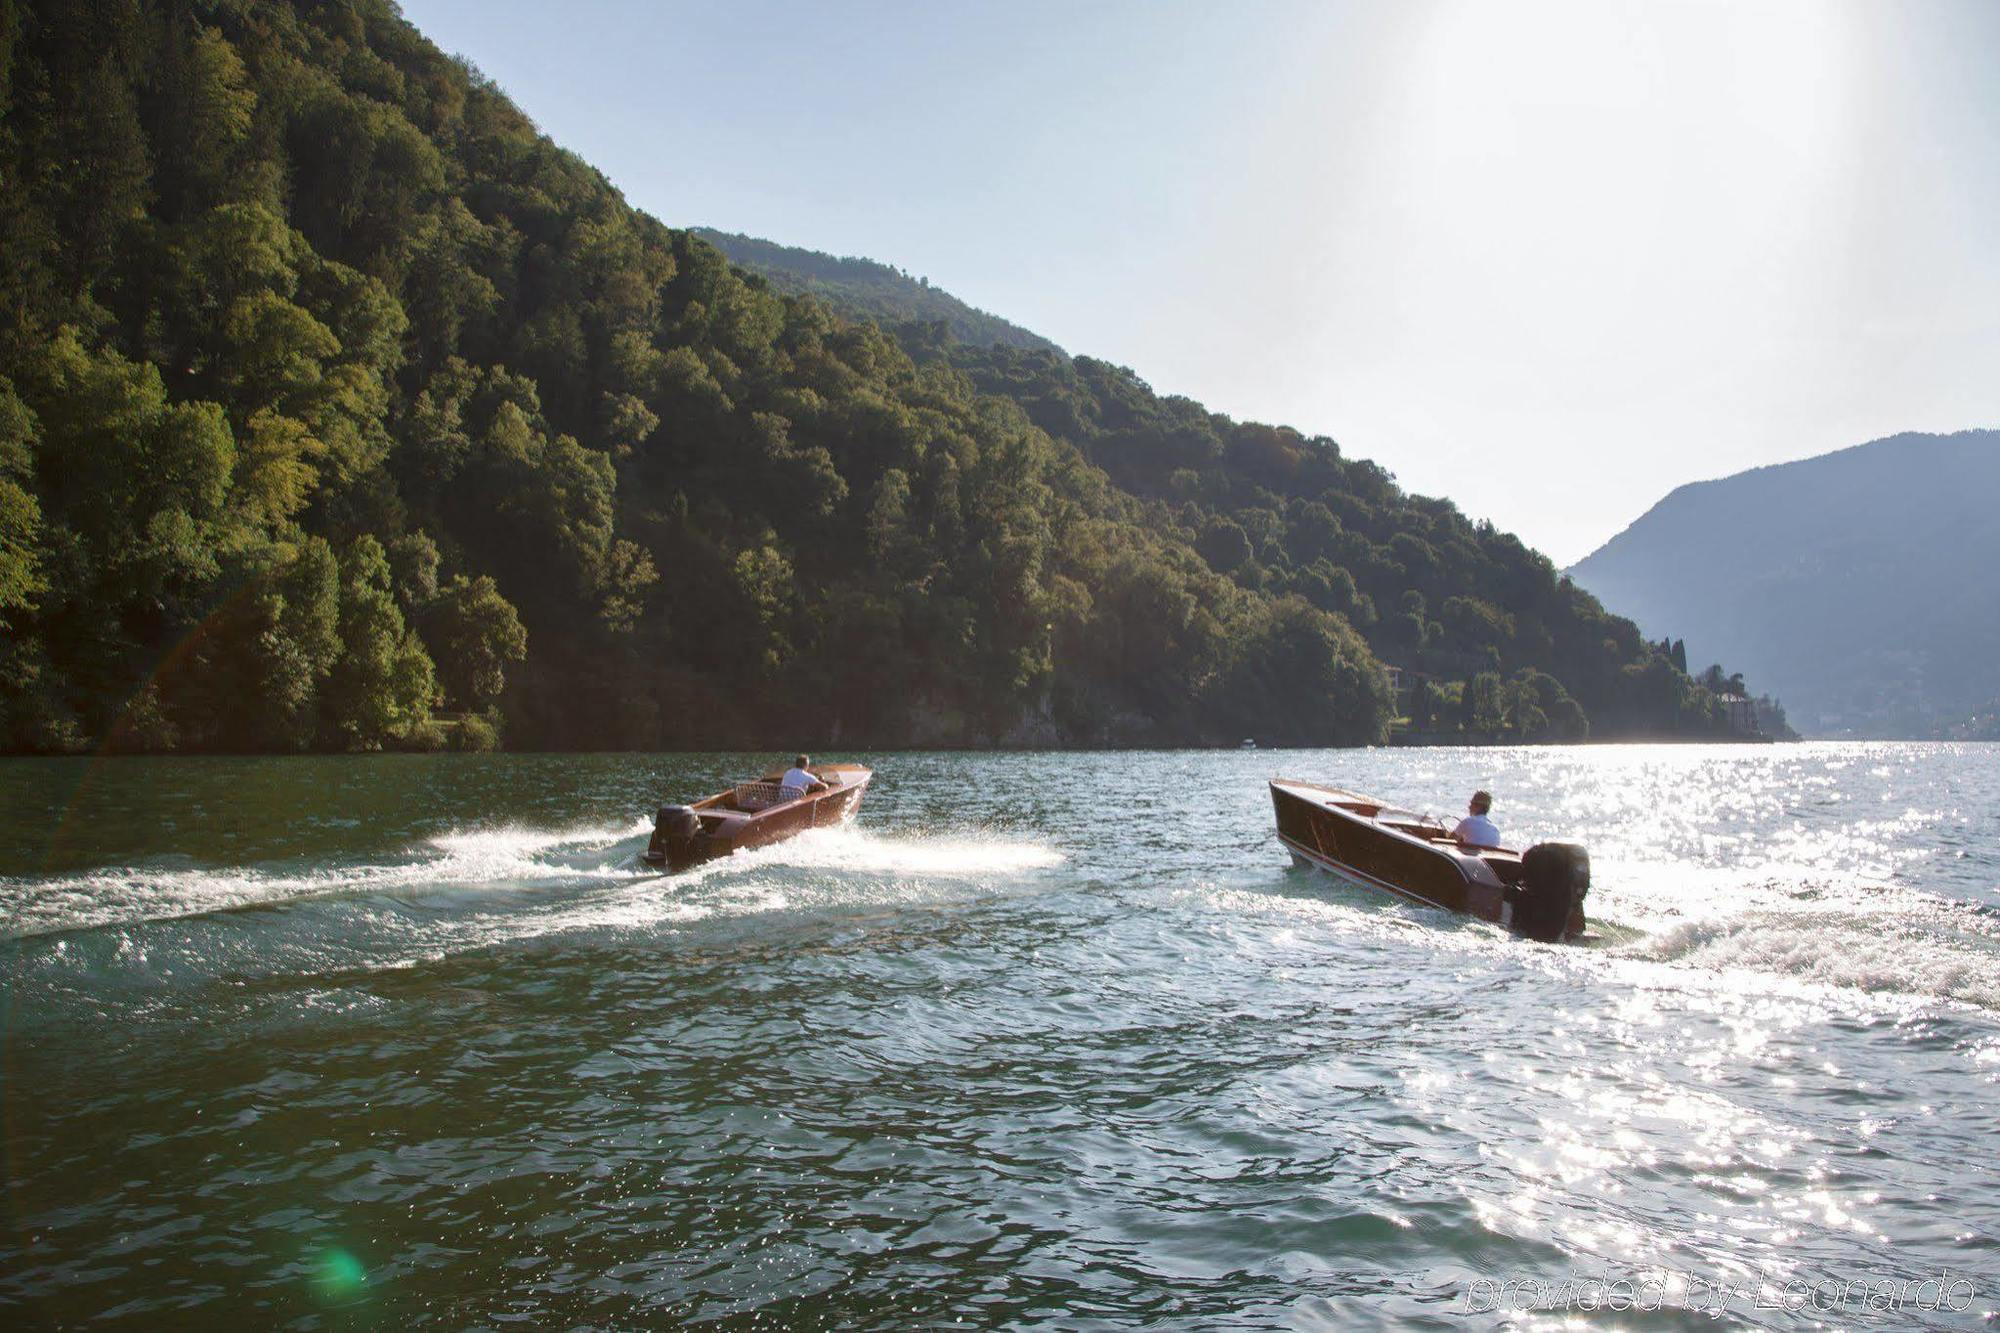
x=869, y=290
x=1858, y=585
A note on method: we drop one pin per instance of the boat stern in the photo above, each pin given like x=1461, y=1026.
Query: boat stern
x=1548, y=901
x=677, y=840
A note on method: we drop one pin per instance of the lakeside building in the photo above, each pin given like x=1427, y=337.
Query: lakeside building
x=1742, y=714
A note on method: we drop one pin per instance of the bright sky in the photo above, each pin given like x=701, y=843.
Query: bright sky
x=1550, y=259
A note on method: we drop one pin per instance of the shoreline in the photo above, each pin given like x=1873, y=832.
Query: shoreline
x=975, y=750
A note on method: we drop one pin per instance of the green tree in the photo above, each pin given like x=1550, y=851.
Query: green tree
x=20, y=513
x=1484, y=705
x=383, y=682
x=476, y=635
x=764, y=578
x=1302, y=674
x=253, y=676
x=1224, y=545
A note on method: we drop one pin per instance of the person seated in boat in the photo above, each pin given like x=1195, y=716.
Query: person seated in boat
x=797, y=781
x=1476, y=830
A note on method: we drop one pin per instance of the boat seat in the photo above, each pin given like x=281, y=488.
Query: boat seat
x=761, y=795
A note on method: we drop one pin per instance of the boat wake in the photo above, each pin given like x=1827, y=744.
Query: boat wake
x=1877, y=937
x=130, y=895
x=593, y=871
x=853, y=851
x=839, y=869
x=1774, y=928
x=1922, y=961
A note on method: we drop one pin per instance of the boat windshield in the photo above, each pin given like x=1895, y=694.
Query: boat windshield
x=1427, y=824
x=1362, y=806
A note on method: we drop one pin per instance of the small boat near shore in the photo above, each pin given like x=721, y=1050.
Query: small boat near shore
x=753, y=814
x=1537, y=893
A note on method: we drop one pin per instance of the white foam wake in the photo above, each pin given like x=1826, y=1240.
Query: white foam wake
x=835, y=870
x=1871, y=934
x=479, y=856
x=852, y=850
x=818, y=865
x=1921, y=957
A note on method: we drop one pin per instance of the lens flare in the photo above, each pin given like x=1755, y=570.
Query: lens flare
x=338, y=1277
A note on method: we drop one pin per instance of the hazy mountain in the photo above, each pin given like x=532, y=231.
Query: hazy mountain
x=868, y=290
x=1859, y=586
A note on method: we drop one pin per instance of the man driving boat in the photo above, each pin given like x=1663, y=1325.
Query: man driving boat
x=1475, y=830
x=797, y=781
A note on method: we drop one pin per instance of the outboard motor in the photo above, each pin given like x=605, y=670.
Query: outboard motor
x=676, y=833
x=1555, y=876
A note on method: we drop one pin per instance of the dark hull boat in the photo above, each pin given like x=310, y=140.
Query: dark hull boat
x=753, y=814
x=1538, y=893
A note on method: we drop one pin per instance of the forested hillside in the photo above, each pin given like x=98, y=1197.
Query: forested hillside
x=1507, y=647
x=333, y=396
x=865, y=289
x=1856, y=582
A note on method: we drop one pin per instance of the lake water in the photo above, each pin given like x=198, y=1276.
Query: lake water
x=1043, y=1037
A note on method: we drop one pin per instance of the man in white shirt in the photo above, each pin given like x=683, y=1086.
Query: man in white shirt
x=797, y=782
x=1476, y=830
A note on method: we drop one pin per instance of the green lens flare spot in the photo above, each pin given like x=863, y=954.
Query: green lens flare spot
x=337, y=1276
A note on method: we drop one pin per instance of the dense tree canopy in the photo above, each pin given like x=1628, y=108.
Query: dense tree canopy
x=332, y=395
x=1451, y=602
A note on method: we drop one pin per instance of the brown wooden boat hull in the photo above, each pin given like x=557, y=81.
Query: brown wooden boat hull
x=1364, y=842
x=726, y=830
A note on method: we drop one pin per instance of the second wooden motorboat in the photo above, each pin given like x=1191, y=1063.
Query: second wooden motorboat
x=753, y=814
x=1538, y=893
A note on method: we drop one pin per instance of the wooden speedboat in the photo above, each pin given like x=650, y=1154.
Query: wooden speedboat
x=753, y=814
x=1538, y=893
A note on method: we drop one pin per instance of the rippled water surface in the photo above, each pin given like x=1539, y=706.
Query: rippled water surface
x=411, y=1041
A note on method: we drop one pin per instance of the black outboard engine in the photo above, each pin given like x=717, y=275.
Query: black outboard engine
x=676, y=833
x=1555, y=876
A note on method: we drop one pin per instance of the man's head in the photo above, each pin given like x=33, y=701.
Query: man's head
x=802, y=761
x=1481, y=802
